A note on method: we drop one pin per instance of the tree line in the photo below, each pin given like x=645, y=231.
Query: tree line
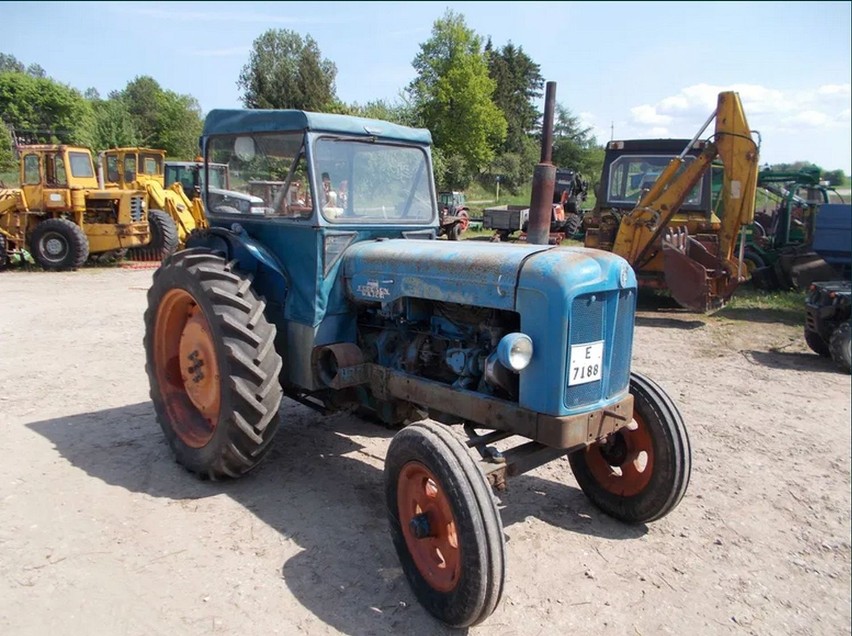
x=478, y=99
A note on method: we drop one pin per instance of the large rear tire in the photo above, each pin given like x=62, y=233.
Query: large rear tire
x=212, y=365
x=444, y=524
x=58, y=244
x=816, y=343
x=164, y=237
x=841, y=346
x=640, y=473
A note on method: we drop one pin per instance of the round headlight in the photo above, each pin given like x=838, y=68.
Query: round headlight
x=515, y=351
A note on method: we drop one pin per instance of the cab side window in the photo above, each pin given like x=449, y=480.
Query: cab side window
x=112, y=169
x=130, y=168
x=32, y=174
x=60, y=177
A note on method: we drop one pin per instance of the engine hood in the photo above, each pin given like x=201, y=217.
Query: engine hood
x=469, y=273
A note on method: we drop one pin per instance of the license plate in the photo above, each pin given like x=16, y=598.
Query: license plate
x=586, y=363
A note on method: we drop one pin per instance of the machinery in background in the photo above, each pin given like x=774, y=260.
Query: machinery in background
x=62, y=214
x=656, y=212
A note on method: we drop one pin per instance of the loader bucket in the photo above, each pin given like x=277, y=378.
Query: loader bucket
x=696, y=278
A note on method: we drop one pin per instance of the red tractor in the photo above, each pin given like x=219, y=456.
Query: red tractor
x=454, y=214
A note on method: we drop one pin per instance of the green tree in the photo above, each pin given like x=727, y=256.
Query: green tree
x=114, y=126
x=158, y=118
x=835, y=177
x=287, y=71
x=11, y=64
x=43, y=110
x=452, y=97
x=398, y=113
x=518, y=82
x=574, y=146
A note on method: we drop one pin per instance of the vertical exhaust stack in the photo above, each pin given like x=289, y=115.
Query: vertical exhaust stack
x=544, y=176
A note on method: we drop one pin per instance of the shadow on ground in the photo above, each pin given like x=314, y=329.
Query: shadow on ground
x=316, y=476
x=806, y=361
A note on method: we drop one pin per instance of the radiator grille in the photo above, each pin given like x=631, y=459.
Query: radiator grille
x=606, y=316
x=137, y=209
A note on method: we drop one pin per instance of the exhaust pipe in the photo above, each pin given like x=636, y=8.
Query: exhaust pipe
x=544, y=176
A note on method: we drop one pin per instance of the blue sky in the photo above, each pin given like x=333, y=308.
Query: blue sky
x=630, y=69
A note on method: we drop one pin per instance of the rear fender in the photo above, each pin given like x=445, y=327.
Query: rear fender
x=270, y=279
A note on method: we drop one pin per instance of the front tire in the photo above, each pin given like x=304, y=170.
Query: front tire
x=841, y=346
x=444, y=524
x=639, y=475
x=211, y=364
x=164, y=237
x=58, y=244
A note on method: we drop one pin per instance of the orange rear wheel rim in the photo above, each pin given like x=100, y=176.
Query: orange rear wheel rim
x=429, y=526
x=186, y=368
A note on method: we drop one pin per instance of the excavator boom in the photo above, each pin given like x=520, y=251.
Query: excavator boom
x=698, y=279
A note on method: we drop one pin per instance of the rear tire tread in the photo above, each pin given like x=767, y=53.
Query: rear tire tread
x=249, y=364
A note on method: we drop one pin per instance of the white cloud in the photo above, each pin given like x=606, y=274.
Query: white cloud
x=808, y=123
x=648, y=115
x=808, y=118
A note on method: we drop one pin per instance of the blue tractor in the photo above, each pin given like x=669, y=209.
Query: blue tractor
x=336, y=292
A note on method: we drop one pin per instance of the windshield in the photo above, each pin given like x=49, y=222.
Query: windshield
x=631, y=175
x=150, y=164
x=81, y=164
x=351, y=180
x=369, y=182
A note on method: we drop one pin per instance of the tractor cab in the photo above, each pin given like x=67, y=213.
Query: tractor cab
x=125, y=167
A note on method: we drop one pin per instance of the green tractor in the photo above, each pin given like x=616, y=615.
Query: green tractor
x=778, y=242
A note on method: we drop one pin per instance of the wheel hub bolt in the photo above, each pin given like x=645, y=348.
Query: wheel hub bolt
x=420, y=527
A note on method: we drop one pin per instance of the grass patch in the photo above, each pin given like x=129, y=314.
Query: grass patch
x=479, y=194
x=755, y=305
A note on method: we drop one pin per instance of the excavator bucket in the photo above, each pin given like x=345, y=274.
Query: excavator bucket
x=696, y=278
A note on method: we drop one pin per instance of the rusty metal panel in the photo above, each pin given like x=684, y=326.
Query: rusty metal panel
x=566, y=432
x=469, y=273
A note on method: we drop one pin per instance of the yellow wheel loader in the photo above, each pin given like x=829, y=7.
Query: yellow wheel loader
x=661, y=215
x=172, y=214
x=62, y=215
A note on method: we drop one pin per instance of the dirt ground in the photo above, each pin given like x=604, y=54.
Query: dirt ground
x=102, y=533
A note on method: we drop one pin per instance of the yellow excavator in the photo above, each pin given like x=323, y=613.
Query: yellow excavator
x=172, y=214
x=662, y=215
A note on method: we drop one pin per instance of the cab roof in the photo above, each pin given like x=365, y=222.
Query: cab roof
x=231, y=122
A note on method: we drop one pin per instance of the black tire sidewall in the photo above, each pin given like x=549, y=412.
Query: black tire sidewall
x=840, y=346
x=465, y=604
x=660, y=495
x=75, y=242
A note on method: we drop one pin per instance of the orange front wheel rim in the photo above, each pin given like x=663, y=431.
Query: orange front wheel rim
x=429, y=526
x=623, y=464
